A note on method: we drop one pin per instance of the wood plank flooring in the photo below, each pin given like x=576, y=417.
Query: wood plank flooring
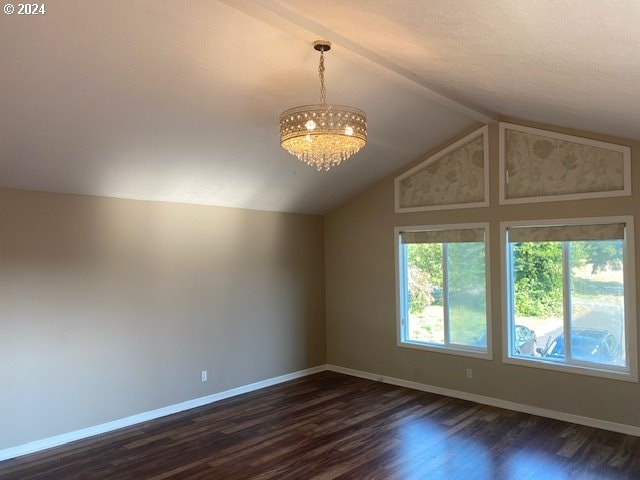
x=333, y=426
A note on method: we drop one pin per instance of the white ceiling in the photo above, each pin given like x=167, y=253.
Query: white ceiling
x=179, y=101
x=573, y=63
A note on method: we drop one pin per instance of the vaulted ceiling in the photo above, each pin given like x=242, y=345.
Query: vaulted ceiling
x=179, y=101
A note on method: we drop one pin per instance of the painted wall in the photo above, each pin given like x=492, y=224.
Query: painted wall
x=112, y=307
x=361, y=302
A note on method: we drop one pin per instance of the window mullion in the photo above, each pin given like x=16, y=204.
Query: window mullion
x=511, y=301
x=445, y=292
x=566, y=299
x=404, y=292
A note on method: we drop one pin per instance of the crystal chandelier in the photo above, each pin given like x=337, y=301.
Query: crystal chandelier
x=323, y=135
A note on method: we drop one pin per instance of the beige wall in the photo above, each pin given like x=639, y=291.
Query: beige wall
x=111, y=307
x=361, y=303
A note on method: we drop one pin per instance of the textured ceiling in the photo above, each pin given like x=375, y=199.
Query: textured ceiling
x=573, y=63
x=180, y=102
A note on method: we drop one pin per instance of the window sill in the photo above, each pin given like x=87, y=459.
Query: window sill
x=595, y=371
x=449, y=350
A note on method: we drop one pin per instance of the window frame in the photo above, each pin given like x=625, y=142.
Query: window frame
x=503, y=198
x=629, y=374
x=402, y=302
x=481, y=132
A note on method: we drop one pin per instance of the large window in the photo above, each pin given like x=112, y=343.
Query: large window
x=569, y=295
x=442, y=288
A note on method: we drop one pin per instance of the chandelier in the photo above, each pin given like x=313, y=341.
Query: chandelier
x=323, y=135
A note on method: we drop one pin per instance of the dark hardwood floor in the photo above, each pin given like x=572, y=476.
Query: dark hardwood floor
x=334, y=426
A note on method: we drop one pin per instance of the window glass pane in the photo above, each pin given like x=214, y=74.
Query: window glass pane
x=597, y=302
x=537, y=300
x=425, y=307
x=467, y=294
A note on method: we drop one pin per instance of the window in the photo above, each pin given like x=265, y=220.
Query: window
x=540, y=166
x=569, y=295
x=442, y=288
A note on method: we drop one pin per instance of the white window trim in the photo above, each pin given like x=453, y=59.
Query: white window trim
x=461, y=350
x=482, y=131
x=626, y=161
x=630, y=374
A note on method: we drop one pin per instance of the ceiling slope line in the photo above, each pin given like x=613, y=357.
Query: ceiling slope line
x=276, y=15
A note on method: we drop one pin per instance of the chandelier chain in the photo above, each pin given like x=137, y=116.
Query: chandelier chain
x=323, y=90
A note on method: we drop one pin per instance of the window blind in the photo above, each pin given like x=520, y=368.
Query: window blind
x=607, y=231
x=443, y=236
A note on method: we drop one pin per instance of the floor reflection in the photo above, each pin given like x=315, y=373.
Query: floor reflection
x=427, y=446
x=482, y=443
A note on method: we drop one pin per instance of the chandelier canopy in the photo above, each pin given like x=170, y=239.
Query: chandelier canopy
x=323, y=135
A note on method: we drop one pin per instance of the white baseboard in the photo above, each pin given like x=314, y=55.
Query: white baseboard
x=57, y=440
x=494, y=402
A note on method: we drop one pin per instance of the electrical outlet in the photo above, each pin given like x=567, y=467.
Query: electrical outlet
x=204, y=375
x=469, y=373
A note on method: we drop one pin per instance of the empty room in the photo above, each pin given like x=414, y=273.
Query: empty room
x=289, y=239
